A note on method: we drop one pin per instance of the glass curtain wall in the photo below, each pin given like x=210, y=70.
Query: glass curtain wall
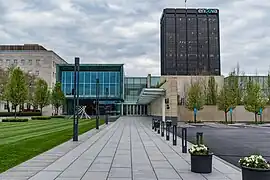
x=133, y=88
x=87, y=84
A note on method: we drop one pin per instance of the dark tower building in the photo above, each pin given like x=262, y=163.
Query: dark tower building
x=190, y=42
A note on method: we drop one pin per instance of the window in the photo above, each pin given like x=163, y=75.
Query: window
x=22, y=62
x=37, y=73
x=8, y=61
x=15, y=61
x=38, y=62
x=30, y=61
x=53, y=64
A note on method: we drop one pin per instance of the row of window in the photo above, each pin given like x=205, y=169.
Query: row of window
x=22, y=62
x=105, y=90
x=91, y=77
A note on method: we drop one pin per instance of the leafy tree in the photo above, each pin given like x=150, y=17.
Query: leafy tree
x=58, y=97
x=31, y=79
x=226, y=100
x=16, y=89
x=41, y=94
x=268, y=87
x=233, y=83
x=211, y=91
x=254, y=98
x=195, y=97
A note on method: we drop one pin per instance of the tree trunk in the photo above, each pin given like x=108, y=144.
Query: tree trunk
x=41, y=110
x=57, y=109
x=226, y=117
x=15, y=114
x=255, y=114
x=8, y=108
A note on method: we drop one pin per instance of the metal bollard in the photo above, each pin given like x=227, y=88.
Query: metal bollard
x=184, y=140
x=158, y=126
x=162, y=128
x=199, y=138
x=153, y=124
x=174, y=135
x=168, y=125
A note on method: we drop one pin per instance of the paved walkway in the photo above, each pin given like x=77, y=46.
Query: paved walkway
x=125, y=150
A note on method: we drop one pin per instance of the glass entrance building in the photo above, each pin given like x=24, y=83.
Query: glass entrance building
x=116, y=92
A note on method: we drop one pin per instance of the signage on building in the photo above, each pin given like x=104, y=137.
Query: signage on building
x=208, y=11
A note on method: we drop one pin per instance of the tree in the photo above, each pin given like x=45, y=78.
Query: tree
x=268, y=87
x=41, y=94
x=254, y=98
x=31, y=79
x=233, y=83
x=58, y=97
x=195, y=97
x=16, y=89
x=226, y=100
x=211, y=91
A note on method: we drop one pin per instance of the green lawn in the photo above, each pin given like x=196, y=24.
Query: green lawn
x=22, y=141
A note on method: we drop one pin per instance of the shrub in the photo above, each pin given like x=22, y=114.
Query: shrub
x=14, y=120
x=58, y=116
x=9, y=114
x=191, y=121
x=254, y=161
x=41, y=118
x=224, y=122
x=199, y=150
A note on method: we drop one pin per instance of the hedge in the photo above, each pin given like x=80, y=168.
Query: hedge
x=41, y=118
x=58, y=116
x=14, y=120
x=9, y=114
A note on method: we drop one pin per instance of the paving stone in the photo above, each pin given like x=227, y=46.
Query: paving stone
x=46, y=175
x=95, y=175
x=120, y=173
x=166, y=173
x=100, y=167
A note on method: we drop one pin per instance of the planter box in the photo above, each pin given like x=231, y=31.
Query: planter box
x=253, y=174
x=201, y=163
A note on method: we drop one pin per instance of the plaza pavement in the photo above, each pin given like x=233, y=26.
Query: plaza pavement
x=127, y=149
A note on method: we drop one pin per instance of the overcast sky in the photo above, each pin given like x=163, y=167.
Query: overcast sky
x=127, y=31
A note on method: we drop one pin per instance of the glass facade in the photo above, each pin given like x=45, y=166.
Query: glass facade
x=155, y=80
x=133, y=87
x=109, y=84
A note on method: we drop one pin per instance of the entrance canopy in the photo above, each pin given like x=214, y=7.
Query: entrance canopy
x=147, y=95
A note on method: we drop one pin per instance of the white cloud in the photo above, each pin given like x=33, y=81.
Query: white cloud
x=120, y=31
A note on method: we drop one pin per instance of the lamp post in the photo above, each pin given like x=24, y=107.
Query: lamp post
x=76, y=99
x=106, y=110
x=97, y=103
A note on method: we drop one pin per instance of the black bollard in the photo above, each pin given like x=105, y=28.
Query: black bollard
x=168, y=125
x=199, y=138
x=158, y=126
x=184, y=140
x=174, y=135
x=153, y=123
x=162, y=128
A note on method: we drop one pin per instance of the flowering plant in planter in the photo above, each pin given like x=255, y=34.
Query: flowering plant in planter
x=255, y=167
x=254, y=161
x=199, y=149
x=201, y=159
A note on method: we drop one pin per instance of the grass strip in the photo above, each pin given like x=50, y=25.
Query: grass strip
x=12, y=154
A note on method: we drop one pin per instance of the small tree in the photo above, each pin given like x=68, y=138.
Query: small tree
x=195, y=97
x=41, y=94
x=226, y=100
x=58, y=97
x=211, y=91
x=16, y=89
x=268, y=87
x=254, y=98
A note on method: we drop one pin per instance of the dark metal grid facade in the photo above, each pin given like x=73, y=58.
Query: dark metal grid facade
x=190, y=42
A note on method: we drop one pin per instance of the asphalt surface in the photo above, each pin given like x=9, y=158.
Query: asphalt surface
x=232, y=144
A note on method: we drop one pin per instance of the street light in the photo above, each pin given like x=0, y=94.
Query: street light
x=97, y=103
x=106, y=109
x=76, y=99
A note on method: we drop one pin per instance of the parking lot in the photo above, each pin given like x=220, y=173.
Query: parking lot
x=231, y=144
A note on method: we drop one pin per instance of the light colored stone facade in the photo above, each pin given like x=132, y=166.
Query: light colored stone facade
x=176, y=88
x=41, y=63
